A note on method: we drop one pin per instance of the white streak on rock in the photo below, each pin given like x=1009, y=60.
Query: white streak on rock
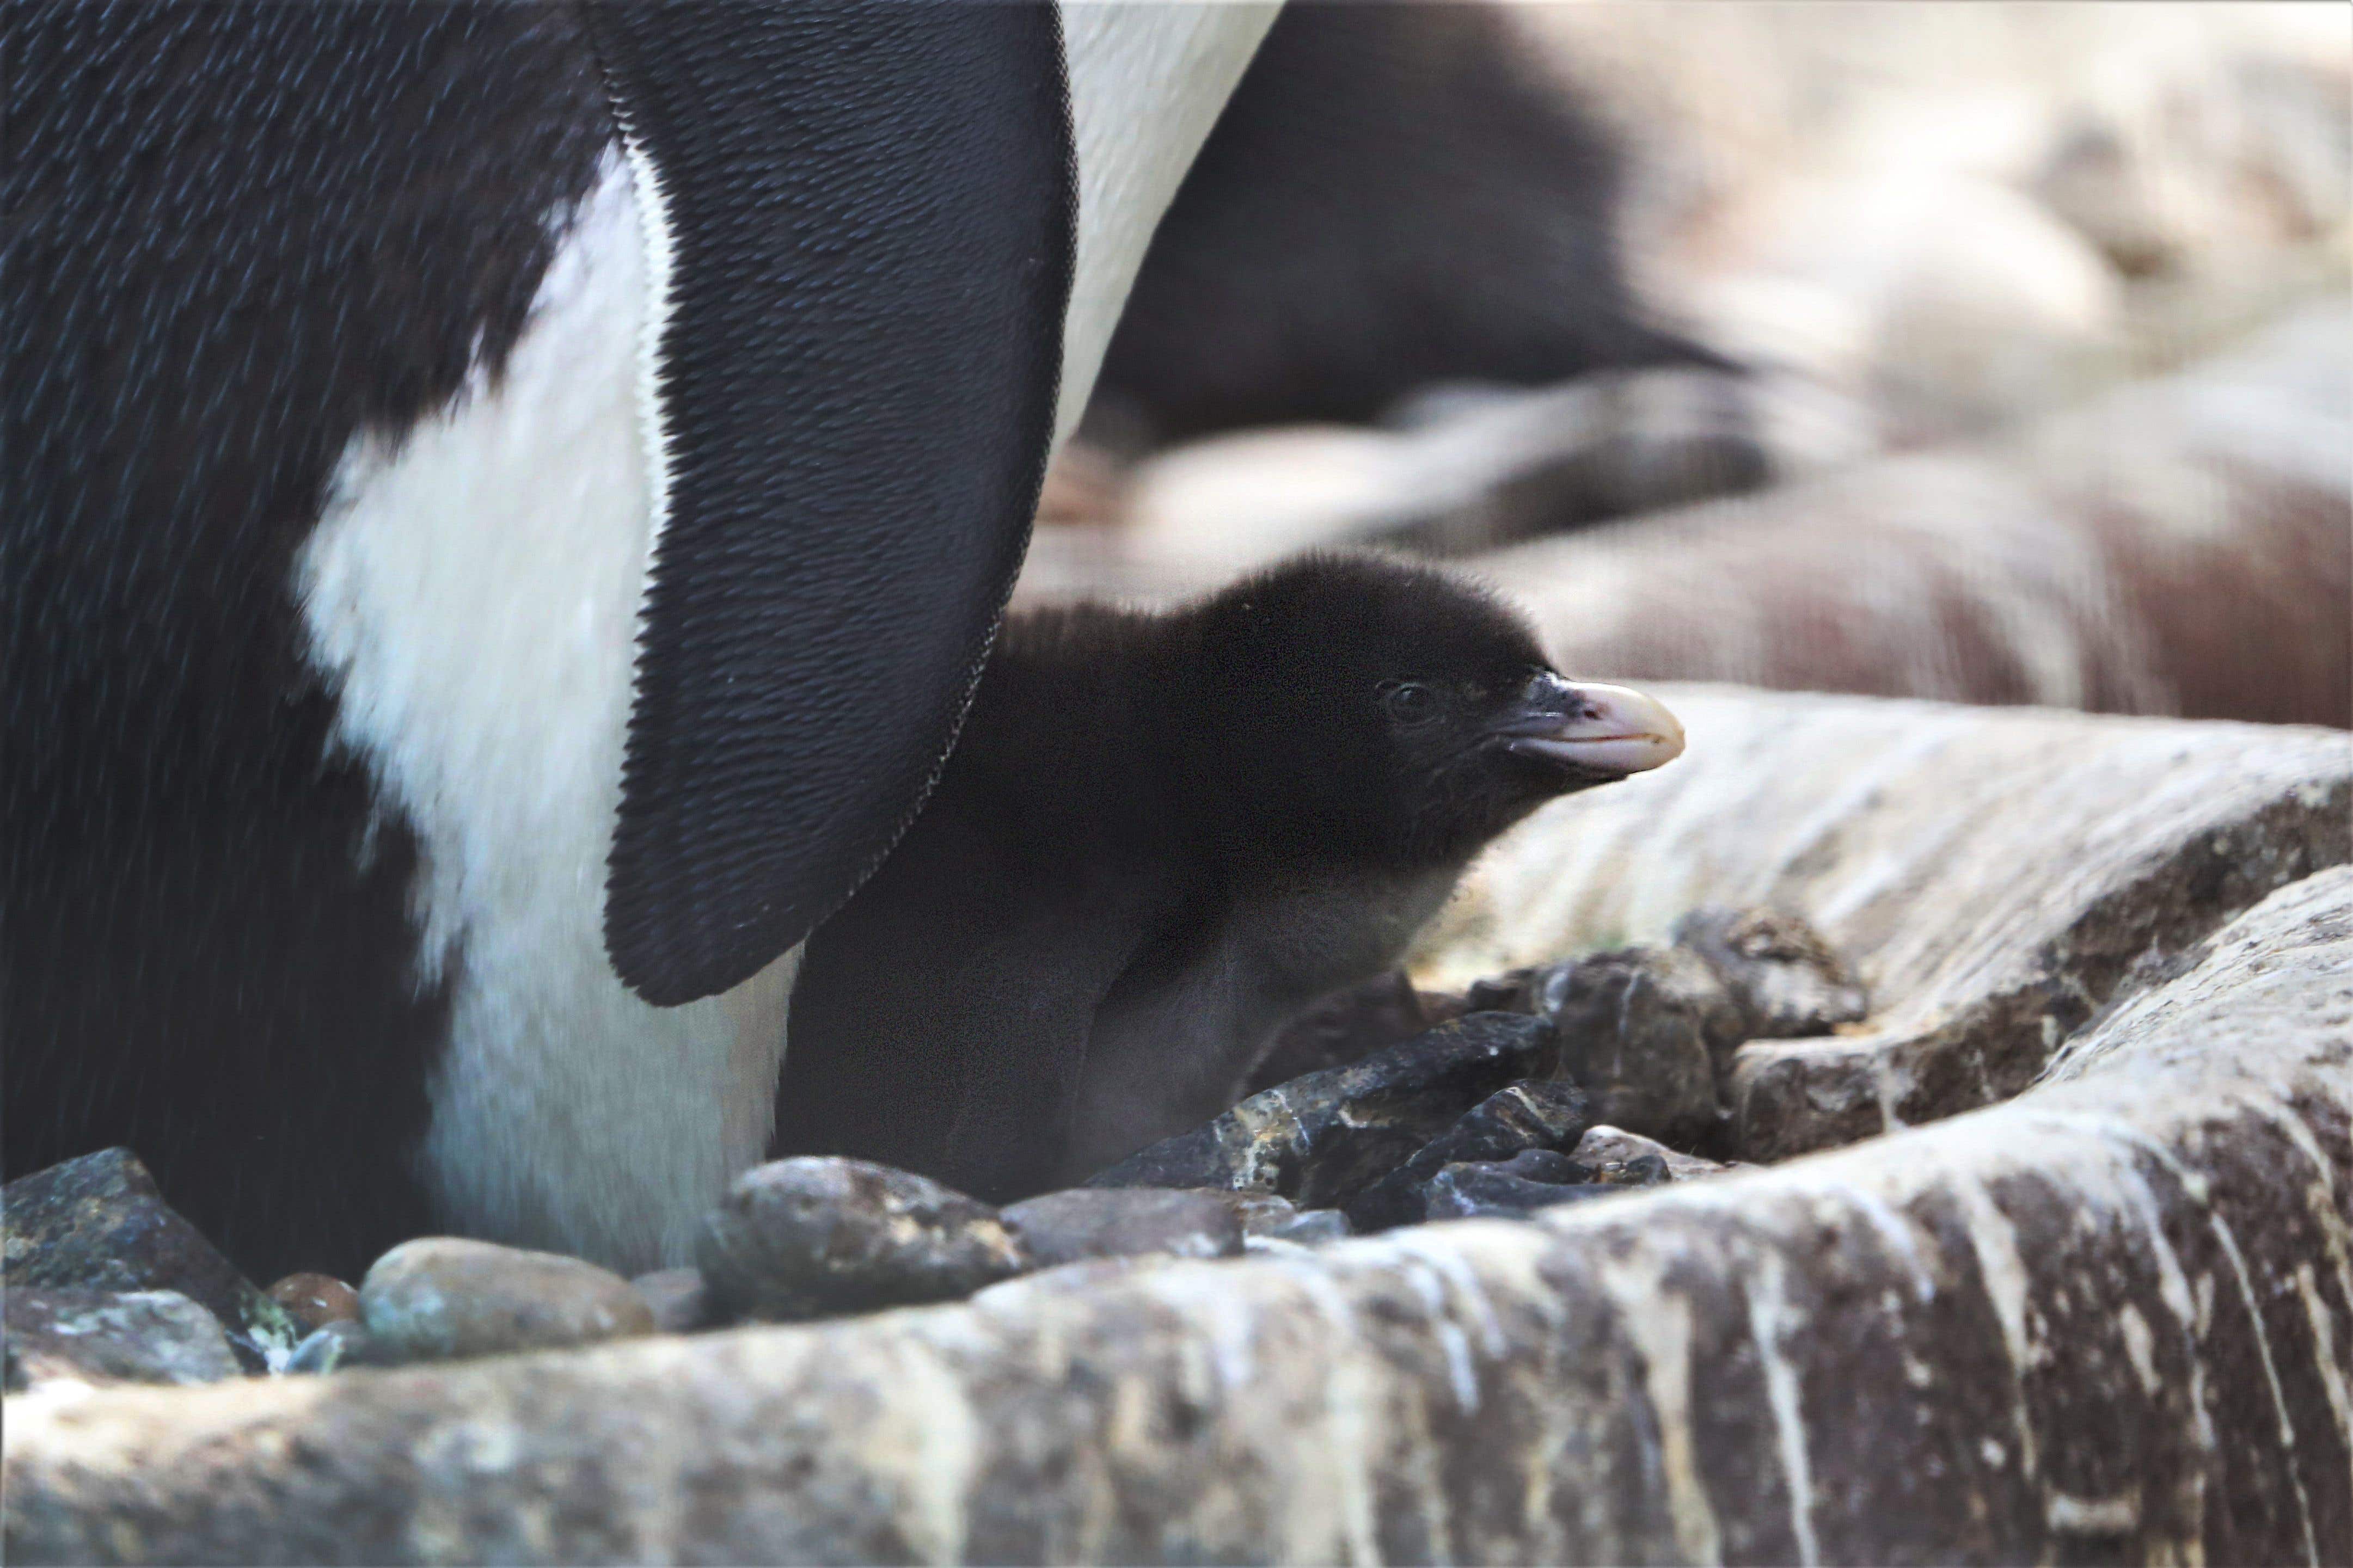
x=1766, y=1286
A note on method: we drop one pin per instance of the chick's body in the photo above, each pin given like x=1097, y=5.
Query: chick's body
x=1159, y=837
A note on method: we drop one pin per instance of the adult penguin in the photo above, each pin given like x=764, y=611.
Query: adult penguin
x=505, y=507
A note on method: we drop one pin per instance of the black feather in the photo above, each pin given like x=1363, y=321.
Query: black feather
x=1159, y=840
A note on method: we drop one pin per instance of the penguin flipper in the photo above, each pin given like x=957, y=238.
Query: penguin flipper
x=869, y=214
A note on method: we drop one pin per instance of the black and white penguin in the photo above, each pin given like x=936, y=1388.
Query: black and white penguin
x=1159, y=840
x=1398, y=197
x=505, y=507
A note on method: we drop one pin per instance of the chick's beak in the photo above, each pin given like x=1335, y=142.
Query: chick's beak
x=1607, y=732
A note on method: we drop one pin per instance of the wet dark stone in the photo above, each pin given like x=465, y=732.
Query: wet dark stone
x=1321, y=1139
x=97, y=1222
x=1119, y=1221
x=1506, y=993
x=1533, y=1114
x=112, y=1336
x=1640, y=1030
x=812, y=1237
x=1546, y=1165
x=1490, y=1192
x=1345, y=1027
x=680, y=1300
x=1784, y=979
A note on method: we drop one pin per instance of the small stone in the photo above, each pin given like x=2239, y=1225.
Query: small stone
x=442, y=1297
x=102, y=1337
x=1547, y=1165
x=1610, y=1146
x=340, y=1343
x=1530, y=1114
x=1312, y=1227
x=1507, y=993
x=680, y=1300
x=816, y=1235
x=1784, y=979
x=1120, y=1222
x=97, y=1222
x=1321, y=1139
x=1258, y=1212
x=1640, y=1029
x=1490, y=1192
x=1642, y=1170
x=314, y=1300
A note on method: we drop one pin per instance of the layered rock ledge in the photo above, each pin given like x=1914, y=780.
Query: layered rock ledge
x=2110, y=1315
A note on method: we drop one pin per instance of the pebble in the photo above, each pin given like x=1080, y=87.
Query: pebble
x=314, y=1300
x=1784, y=981
x=1320, y=1140
x=1119, y=1221
x=1530, y=1114
x=97, y=1222
x=1490, y=1192
x=1547, y=1165
x=1640, y=1029
x=1606, y=1146
x=679, y=1298
x=340, y=1343
x=101, y=1337
x=1310, y=1227
x=815, y=1235
x=443, y=1297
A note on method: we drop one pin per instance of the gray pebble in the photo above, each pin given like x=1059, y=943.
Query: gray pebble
x=1119, y=1221
x=441, y=1298
x=1490, y=1192
x=816, y=1235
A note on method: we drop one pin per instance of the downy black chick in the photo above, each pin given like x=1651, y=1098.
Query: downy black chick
x=1159, y=837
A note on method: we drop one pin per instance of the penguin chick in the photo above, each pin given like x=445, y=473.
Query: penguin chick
x=1159, y=837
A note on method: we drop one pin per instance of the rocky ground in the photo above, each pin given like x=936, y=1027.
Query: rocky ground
x=2100, y=1306
x=1540, y=1088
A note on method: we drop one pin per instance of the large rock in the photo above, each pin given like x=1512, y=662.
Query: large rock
x=2107, y=1320
x=1995, y=877
x=97, y=1222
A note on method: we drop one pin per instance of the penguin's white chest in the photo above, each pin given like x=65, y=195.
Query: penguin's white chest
x=474, y=591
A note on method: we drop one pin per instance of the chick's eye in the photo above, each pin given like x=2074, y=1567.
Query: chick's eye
x=1408, y=703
